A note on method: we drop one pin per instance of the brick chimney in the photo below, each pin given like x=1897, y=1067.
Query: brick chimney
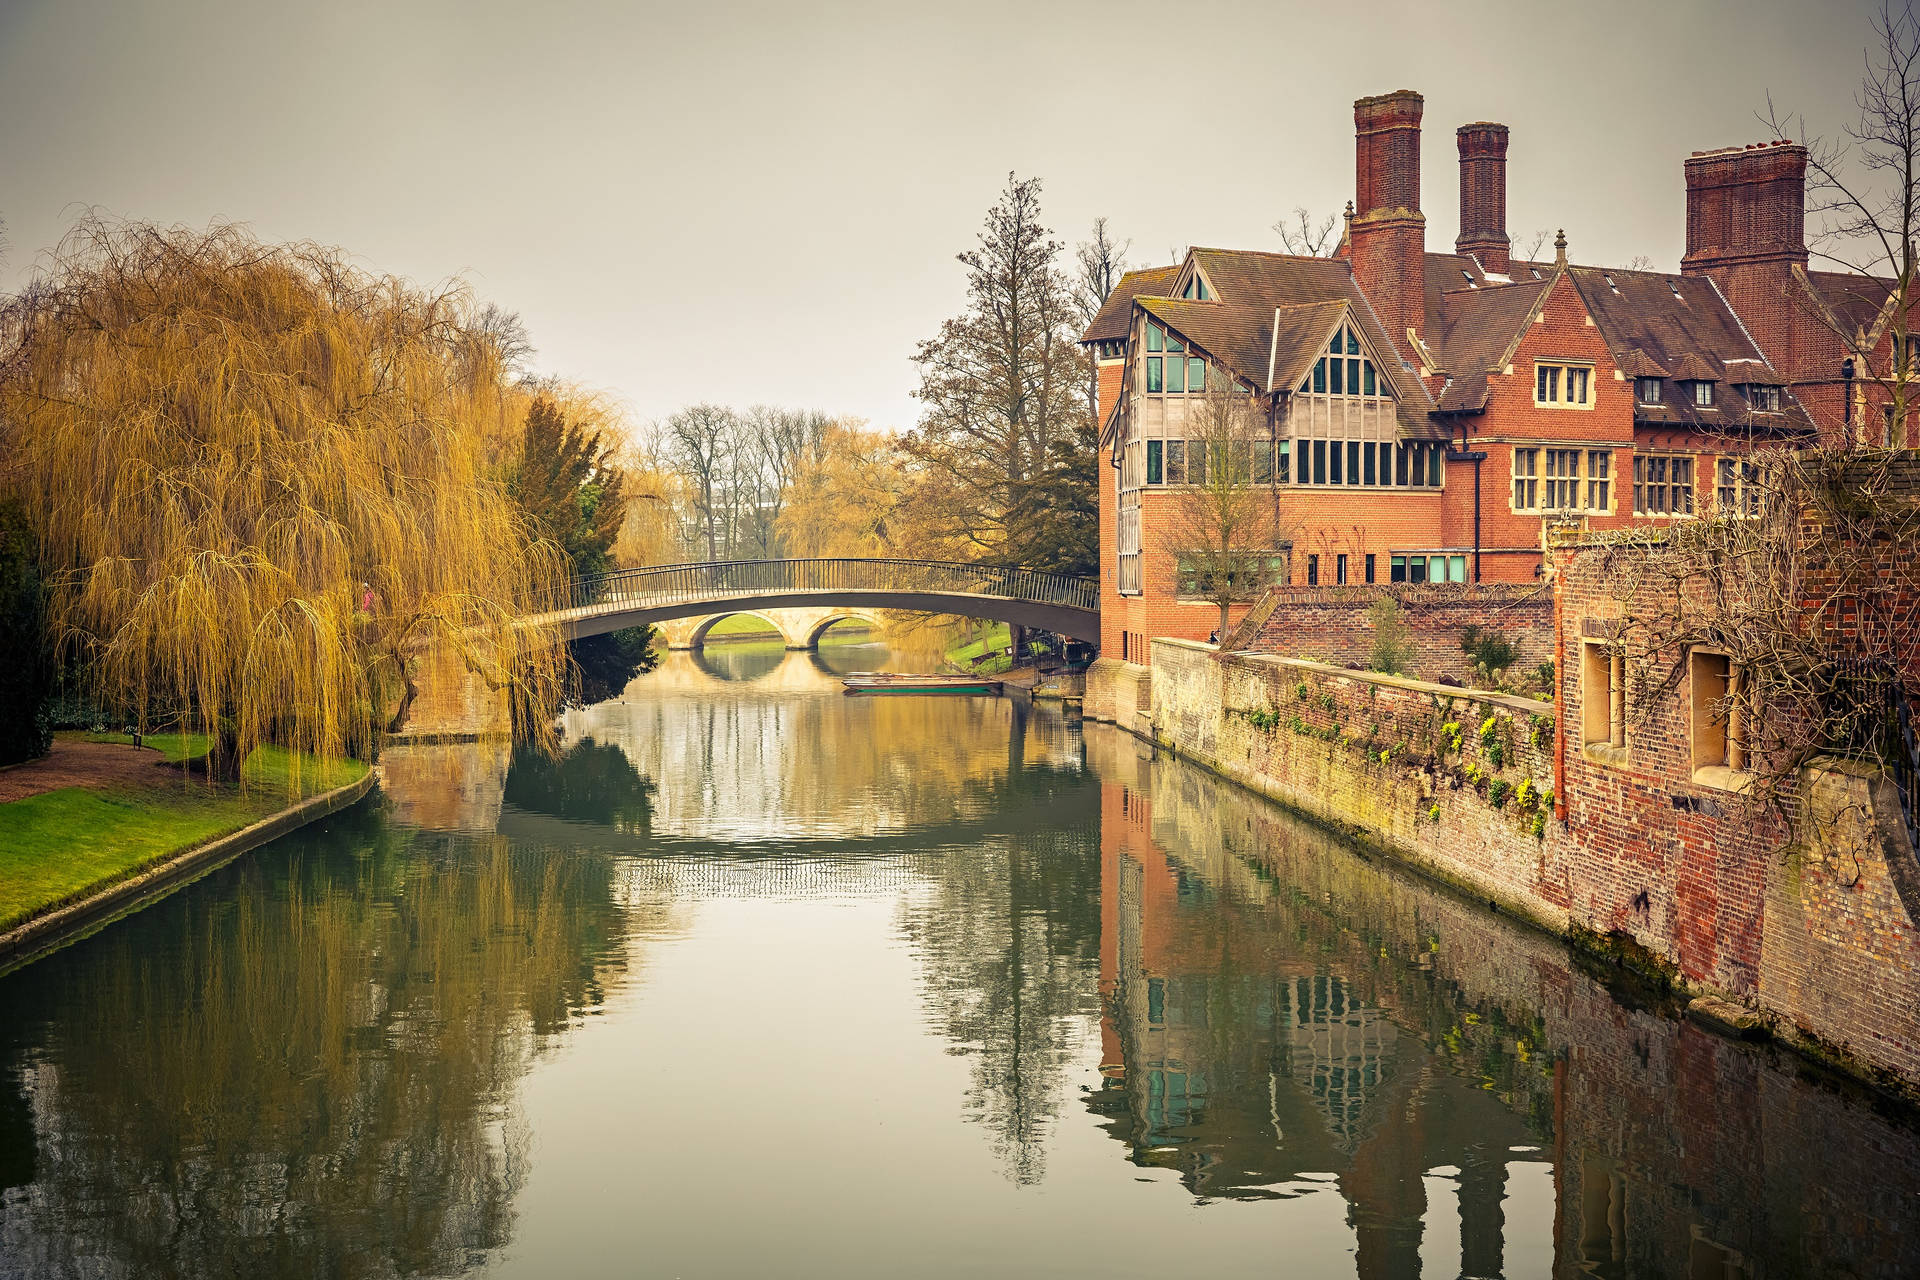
x=1388, y=234
x=1746, y=228
x=1483, y=195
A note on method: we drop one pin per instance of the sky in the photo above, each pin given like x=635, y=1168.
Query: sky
x=762, y=203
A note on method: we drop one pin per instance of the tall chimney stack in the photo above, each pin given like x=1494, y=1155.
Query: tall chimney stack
x=1387, y=238
x=1483, y=195
x=1746, y=228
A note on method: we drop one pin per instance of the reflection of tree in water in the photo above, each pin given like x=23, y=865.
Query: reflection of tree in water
x=586, y=783
x=310, y=1074
x=1009, y=935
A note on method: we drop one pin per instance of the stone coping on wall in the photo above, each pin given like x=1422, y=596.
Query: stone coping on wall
x=75, y=920
x=1511, y=701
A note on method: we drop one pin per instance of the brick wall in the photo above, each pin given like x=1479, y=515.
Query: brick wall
x=1392, y=761
x=1331, y=624
x=1802, y=901
x=1818, y=935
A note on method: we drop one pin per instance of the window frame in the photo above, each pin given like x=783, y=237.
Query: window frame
x=1667, y=485
x=1641, y=386
x=1554, y=381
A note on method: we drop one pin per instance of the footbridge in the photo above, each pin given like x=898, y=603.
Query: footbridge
x=1024, y=597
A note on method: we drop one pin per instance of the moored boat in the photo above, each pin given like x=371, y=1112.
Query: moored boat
x=909, y=682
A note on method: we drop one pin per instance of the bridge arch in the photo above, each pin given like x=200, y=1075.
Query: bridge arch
x=1030, y=598
x=697, y=638
x=834, y=617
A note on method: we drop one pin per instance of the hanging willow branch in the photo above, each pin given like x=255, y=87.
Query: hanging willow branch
x=263, y=485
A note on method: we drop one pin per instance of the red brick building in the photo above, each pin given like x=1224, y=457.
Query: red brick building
x=1428, y=413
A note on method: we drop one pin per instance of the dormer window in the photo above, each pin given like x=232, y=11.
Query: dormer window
x=1172, y=371
x=1647, y=390
x=1763, y=399
x=1197, y=289
x=1701, y=393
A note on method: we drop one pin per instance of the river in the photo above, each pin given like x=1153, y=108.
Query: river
x=760, y=979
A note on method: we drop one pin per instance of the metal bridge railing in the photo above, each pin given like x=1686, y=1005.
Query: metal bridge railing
x=724, y=579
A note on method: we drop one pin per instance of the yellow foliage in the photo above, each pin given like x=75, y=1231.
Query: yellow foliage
x=263, y=481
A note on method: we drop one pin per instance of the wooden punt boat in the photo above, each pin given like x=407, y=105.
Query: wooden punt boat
x=906, y=682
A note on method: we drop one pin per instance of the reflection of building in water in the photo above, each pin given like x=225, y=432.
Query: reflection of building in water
x=1674, y=1152
x=1242, y=1051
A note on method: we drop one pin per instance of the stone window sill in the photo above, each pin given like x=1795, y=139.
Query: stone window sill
x=1605, y=753
x=1721, y=778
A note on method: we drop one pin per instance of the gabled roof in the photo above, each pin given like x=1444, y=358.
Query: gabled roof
x=1271, y=316
x=1117, y=312
x=1856, y=301
x=1691, y=368
x=1473, y=330
x=1682, y=325
x=1638, y=364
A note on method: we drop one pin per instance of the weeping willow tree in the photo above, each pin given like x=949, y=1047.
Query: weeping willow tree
x=264, y=485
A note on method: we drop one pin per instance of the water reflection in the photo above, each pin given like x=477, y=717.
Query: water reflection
x=306, y=1064
x=756, y=978
x=1278, y=1009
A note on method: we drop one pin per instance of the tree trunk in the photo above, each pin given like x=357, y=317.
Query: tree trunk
x=223, y=760
x=409, y=691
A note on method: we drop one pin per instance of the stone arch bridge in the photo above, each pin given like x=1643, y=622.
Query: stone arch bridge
x=453, y=701
x=836, y=587
x=797, y=628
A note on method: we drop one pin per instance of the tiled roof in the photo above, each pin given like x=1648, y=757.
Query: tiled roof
x=1270, y=311
x=1691, y=368
x=1855, y=300
x=1683, y=325
x=1638, y=364
x=1473, y=329
x=1117, y=311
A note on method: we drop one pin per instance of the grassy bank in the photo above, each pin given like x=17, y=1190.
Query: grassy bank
x=61, y=845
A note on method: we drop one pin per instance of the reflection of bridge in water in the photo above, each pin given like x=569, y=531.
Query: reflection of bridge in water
x=1025, y=597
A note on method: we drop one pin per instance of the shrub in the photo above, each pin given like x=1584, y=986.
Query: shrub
x=1497, y=793
x=1392, y=643
x=1488, y=649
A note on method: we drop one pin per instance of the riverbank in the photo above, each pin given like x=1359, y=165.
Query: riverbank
x=1811, y=942
x=102, y=825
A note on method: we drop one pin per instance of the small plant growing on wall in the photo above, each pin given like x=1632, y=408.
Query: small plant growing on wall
x=1392, y=642
x=1497, y=794
x=1493, y=745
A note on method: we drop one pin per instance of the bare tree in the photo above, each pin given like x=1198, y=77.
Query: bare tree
x=1863, y=195
x=700, y=442
x=1099, y=264
x=1536, y=241
x=1225, y=524
x=1307, y=236
x=1639, y=262
x=1001, y=382
x=507, y=333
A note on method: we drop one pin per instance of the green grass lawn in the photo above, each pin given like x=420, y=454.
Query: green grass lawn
x=61, y=845
x=741, y=624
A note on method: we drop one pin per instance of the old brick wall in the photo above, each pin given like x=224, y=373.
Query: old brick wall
x=1330, y=624
x=1804, y=907
x=1455, y=780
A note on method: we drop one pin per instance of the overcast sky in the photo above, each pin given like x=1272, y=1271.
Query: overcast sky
x=762, y=202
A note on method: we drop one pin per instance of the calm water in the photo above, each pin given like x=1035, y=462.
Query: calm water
x=759, y=979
